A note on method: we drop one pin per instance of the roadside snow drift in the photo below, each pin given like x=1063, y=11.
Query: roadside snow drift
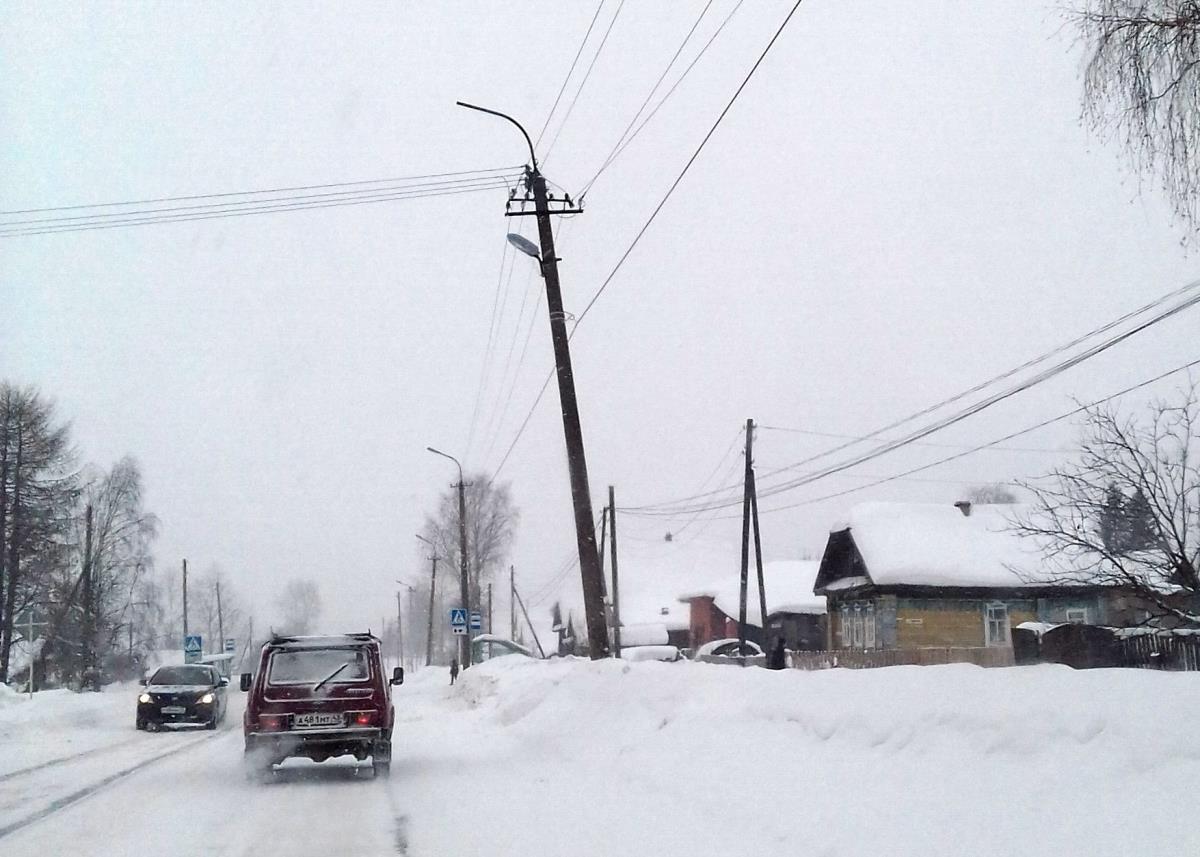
x=685, y=759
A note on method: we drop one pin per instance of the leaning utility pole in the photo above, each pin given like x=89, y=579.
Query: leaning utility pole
x=762, y=589
x=585, y=531
x=749, y=474
x=512, y=603
x=616, y=587
x=532, y=630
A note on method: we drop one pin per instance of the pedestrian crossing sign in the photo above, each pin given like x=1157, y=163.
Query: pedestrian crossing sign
x=458, y=617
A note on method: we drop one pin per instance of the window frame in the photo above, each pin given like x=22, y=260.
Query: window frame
x=1082, y=612
x=1003, y=624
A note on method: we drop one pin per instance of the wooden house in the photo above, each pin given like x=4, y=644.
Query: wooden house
x=924, y=575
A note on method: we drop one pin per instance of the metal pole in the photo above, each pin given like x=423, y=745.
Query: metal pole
x=220, y=646
x=399, y=632
x=432, y=587
x=185, y=624
x=464, y=644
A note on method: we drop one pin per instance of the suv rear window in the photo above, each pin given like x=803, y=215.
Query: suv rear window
x=309, y=666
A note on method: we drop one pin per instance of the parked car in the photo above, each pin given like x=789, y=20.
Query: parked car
x=652, y=653
x=316, y=698
x=188, y=693
x=728, y=648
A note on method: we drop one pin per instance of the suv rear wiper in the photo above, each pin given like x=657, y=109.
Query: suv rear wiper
x=329, y=677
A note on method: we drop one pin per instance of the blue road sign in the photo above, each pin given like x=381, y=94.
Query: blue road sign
x=193, y=647
x=458, y=617
x=476, y=620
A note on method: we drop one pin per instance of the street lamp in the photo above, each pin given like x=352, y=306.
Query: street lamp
x=585, y=528
x=464, y=645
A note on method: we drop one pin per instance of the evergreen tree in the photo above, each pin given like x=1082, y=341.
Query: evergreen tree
x=1140, y=530
x=1113, y=521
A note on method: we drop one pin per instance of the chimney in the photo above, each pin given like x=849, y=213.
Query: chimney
x=964, y=506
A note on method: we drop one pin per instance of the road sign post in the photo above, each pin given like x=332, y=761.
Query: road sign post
x=193, y=648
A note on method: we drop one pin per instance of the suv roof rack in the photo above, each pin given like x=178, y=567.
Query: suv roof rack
x=327, y=639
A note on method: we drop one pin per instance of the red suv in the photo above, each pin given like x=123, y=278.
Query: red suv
x=319, y=697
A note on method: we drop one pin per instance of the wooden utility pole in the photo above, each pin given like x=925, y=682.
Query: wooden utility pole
x=185, y=624
x=489, y=608
x=89, y=607
x=220, y=647
x=745, y=536
x=532, y=630
x=432, y=587
x=616, y=584
x=581, y=499
x=464, y=644
x=762, y=589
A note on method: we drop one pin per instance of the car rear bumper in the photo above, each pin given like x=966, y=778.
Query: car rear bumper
x=319, y=743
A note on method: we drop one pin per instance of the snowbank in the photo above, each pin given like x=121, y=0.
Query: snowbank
x=698, y=759
x=58, y=723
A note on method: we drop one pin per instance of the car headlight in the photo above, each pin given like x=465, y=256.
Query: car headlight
x=206, y=699
x=145, y=697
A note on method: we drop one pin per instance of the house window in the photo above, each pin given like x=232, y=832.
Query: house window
x=1077, y=616
x=858, y=626
x=995, y=626
x=846, y=639
x=869, y=627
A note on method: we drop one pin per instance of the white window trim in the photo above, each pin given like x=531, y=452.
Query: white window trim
x=1006, y=633
x=869, y=627
x=847, y=639
x=1082, y=612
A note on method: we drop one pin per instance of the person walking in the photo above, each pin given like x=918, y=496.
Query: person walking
x=453, y=670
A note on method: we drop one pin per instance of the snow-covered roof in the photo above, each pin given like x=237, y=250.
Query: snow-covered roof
x=789, y=585
x=935, y=544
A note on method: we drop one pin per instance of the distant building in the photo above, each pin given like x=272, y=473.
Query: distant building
x=793, y=611
x=925, y=575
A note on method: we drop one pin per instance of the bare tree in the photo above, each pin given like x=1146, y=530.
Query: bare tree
x=300, y=606
x=994, y=493
x=1149, y=470
x=491, y=524
x=1141, y=86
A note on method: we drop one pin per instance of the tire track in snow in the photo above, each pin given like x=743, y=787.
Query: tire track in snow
x=62, y=760
x=65, y=801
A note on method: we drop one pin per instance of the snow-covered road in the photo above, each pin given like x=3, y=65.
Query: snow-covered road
x=525, y=759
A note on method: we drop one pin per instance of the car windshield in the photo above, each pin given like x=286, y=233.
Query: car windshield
x=310, y=666
x=182, y=675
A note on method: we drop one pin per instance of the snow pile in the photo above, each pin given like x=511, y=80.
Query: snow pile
x=789, y=585
x=57, y=723
x=681, y=759
x=935, y=544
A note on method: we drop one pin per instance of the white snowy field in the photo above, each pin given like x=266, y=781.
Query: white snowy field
x=537, y=758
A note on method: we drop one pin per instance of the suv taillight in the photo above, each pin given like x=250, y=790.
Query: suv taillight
x=272, y=722
x=364, y=718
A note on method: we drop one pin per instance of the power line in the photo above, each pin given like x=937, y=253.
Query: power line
x=505, y=170
x=934, y=445
x=570, y=72
x=653, y=89
x=623, y=146
x=984, y=446
x=586, y=75
x=1104, y=345
x=969, y=411
x=260, y=209
x=654, y=214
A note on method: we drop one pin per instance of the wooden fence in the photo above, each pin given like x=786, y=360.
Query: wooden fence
x=1159, y=651
x=992, y=656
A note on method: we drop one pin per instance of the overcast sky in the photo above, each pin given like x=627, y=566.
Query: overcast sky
x=902, y=203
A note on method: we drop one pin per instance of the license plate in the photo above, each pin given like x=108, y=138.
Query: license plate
x=303, y=721
x=173, y=709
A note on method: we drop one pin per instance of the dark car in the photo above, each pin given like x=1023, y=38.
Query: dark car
x=190, y=693
x=319, y=697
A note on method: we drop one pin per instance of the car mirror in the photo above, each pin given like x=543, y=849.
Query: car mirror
x=398, y=675
x=246, y=679
x=144, y=681
x=224, y=682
